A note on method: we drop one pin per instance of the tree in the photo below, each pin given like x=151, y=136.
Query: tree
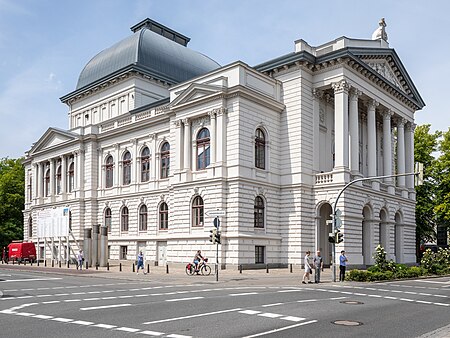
x=12, y=183
x=442, y=175
x=425, y=144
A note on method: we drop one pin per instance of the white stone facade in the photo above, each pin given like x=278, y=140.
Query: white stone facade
x=328, y=115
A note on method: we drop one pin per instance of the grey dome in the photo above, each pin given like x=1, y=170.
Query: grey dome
x=151, y=53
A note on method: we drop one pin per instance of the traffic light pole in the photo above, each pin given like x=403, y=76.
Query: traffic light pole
x=333, y=256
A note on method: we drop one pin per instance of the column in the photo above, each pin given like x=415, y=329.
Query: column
x=409, y=153
x=354, y=131
x=371, y=139
x=213, y=138
x=401, y=152
x=117, y=160
x=187, y=144
x=40, y=178
x=221, y=136
x=63, y=174
x=178, y=145
x=52, y=177
x=316, y=96
x=341, y=124
x=35, y=186
x=387, y=145
x=134, y=163
x=155, y=158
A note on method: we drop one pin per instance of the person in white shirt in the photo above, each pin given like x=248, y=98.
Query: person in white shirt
x=308, y=269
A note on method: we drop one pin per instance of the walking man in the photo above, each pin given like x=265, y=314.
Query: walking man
x=308, y=269
x=342, y=265
x=80, y=260
x=318, y=266
x=140, y=263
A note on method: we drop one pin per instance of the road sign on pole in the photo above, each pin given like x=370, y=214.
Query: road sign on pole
x=215, y=213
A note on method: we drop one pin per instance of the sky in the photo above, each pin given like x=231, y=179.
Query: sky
x=44, y=45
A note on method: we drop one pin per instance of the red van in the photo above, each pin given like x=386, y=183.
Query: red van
x=22, y=251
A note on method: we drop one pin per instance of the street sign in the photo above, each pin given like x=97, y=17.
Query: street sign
x=215, y=213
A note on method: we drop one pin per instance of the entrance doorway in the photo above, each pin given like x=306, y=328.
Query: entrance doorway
x=162, y=249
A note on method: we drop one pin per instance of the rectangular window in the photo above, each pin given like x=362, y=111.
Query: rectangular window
x=123, y=252
x=259, y=254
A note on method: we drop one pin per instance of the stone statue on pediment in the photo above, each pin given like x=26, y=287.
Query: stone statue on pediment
x=380, y=32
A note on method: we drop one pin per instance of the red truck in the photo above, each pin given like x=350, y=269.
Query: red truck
x=21, y=251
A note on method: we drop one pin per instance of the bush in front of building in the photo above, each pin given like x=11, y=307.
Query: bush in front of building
x=437, y=263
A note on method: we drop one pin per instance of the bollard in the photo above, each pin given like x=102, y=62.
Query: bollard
x=120, y=267
x=18, y=262
x=240, y=268
x=148, y=268
x=68, y=264
x=167, y=268
x=267, y=268
x=13, y=262
x=24, y=262
x=45, y=262
x=38, y=262
x=107, y=266
x=59, y=263
x=96, y=266
x=87, y=265
x=133, y=267
x=31, y=262
x=53, y=263
x=290, y=268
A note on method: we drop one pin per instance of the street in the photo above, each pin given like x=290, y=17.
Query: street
x=37, y=304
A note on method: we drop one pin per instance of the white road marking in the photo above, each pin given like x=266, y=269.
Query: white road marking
x=182, y=299
x=28, y=280
x=281, y=329
x=269, y=315
x=307, y=300
x=127, y=329
x=178, y=336
x=430, y=281
x=63, y=320
x=243, y=294
x=43, y=317
x=293, y=319
x=105, y=326
x=82, y=322
x=104, y=307
x=250, y=312
x=151, y=333
x=274, y=304
x=51, y=302
x=282, y=291
x=192, y=316
x=71, y=300
x=25, y=314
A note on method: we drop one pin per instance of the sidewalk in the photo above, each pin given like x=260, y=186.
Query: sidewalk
x=175, y=273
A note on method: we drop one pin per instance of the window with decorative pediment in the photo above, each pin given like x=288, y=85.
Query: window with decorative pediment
x=259, y=212
x=47, y=183
x=145, y=165
x=143, y=218
x=197, y=212
x=124, y=218
x=108, y=219
x=58, y=180
x=203, y=149
x=163, y=216
x=126, y=168
x=260, y=149
x=165, y=160
x=71, y=176
x=109, y=169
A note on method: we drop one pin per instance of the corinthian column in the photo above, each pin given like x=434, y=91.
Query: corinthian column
x=341, y=123
x=213, y=138
x=401, y=151
x=187, y=144
x=353, y=131
x=409, y=153
x=371, y=139
x=387, y=145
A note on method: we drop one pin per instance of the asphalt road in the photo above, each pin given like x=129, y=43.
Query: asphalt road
x=35, y=304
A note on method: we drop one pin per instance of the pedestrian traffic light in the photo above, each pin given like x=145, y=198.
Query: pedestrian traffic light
x=339, y=237
x=213, y=236
x=331, y=237
x=218, y=237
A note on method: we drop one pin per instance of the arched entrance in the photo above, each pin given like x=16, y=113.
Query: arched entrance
x=398, y=238
x=366, y=236
x=323, y=229
x=384, y=242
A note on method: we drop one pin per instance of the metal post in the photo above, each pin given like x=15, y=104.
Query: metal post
x=103, y=246
x=133, y=267
x=267, y=268
x=290, y=268
x=148, y=268
x=167, y=268
x=240, y=268
x=217, y=262
x=107, y=266
x=120, y=267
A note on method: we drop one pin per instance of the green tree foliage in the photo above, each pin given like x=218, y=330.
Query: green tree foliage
x=442, y=175
x=12, y=183
x=425, y=144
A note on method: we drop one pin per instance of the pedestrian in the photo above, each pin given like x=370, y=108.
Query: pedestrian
x=318, y=266
x=140, y=263
x=80, y=260
x=342, y=265
x=308, y=269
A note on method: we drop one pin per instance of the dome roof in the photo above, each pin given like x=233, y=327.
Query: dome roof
x=150, y=53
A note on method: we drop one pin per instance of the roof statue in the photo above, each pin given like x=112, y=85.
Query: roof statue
x=380, y=32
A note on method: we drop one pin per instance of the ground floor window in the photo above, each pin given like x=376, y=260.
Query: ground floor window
x=123, y=252
x=259, y=254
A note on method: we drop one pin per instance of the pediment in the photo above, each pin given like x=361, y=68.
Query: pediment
x=382, y=67
x=196, y=92
x=51, y=138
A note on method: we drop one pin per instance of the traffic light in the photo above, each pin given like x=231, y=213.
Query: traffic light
x=218, y=237
x=331, y=237
x=337, y=219
x=339, y=237
x=213, y=236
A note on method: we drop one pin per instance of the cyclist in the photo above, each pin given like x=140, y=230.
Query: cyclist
x=197, y=258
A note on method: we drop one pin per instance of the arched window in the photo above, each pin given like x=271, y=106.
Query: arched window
x=109, y=168
x=47, y=182
x=108, y=218
x=145, y=165
x=203, y=153
x=143, y=218
x=163, y=216
x=124, y=219
x=30, y=189
x=165, y=160
x=58, y=180
x=71, y=176
x=197, y=212
x=126, y=165
x=260, y=149
x=259, y=212
x=30, y=227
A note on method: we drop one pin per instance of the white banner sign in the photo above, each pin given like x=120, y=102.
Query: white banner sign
x=53, y=222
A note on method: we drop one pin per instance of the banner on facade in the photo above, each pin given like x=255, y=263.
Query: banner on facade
x=53, y=222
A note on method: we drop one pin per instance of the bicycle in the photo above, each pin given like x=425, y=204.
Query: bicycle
x=204, y=268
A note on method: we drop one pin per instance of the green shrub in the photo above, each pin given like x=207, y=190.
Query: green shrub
x=357, y=275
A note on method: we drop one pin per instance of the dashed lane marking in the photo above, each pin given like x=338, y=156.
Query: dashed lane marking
x=281, y=329
x=242, y=294
x=104, y=307
x=182, y=299
x=28, y=280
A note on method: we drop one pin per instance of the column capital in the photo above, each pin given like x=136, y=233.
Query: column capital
x=186, y=121
x=410, y=127
x=220, y=111
x=317, y=93
x=372, y=104
x=341, y=86
x=354, y=93
x=387, y=114
x=401, y=122
x=212, y=114
x=177, y=123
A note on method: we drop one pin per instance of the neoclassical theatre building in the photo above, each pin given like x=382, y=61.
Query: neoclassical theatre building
x=161, y=135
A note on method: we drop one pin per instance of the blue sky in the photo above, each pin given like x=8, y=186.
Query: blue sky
x=45, y=44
